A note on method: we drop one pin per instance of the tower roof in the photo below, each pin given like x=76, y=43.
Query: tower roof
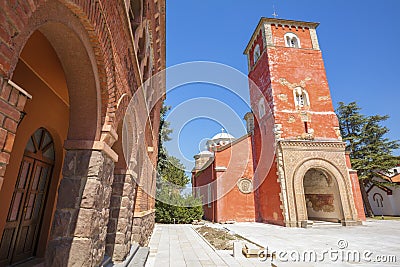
x=307, y=24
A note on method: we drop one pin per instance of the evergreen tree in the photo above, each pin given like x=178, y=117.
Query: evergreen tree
x=371, y=153
x=171, y=206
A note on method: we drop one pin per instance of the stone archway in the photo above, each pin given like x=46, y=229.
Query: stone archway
x=349, y=214
x=74, y=115
x=322, y=196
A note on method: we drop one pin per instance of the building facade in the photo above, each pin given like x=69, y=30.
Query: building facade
x=301, y=173
x=384, y=196
x=68, y=71
x=223, y=176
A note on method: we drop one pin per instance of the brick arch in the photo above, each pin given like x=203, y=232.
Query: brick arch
x=298, y=188
x=94, y=38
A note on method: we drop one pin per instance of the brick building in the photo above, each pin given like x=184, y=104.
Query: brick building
x=68, y=70
x=293, y=157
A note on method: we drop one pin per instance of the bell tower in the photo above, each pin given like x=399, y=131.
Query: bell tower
x=292, y=106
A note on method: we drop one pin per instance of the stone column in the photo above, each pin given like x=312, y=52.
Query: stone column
x=120, y=223
x=78, y=235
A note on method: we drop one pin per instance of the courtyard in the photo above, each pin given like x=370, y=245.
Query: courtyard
x=374, y=244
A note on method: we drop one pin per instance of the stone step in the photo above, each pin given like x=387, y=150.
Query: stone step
x=107, y=262
x=140, y=257
x=326, y=224
x=134, y=248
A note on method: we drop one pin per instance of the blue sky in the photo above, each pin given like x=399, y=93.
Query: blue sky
x=360, y=42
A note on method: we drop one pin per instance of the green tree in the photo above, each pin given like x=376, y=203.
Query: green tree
x=370, y=151
x=171, y=206
x=163, y=136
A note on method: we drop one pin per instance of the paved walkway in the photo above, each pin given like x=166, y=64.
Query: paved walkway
x=380, y=238
x=179, y=245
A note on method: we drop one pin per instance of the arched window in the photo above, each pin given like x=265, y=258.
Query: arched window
x=301, y=97
x=378, y=200
x=261, y=107
x=256, y=53
x=291, y=40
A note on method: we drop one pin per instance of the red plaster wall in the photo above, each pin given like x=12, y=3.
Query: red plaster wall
x=355, y=186
x=257, y=41
x=201, y=179
x=235, y=205
x=268, y=199
x=303, y=34
x=232, y=204
x=295, y=65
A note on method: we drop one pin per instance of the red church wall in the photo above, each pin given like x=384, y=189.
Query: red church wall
x=307, y=67
x=201, y=181
x=303, y=34
x=257, y=41
x=268, y=199
x=230, y=204
x=235, y=205
x=355, y=186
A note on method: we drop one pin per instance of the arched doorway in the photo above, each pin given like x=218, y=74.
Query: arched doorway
x=20, y=236
x=58, y=68
x=322, y=196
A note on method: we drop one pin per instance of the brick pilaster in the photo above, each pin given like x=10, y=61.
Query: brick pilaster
x=12, y=103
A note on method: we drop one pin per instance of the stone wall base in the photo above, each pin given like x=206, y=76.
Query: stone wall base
x=142, y=228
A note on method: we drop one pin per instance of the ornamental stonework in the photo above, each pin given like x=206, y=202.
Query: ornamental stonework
x=245, y=185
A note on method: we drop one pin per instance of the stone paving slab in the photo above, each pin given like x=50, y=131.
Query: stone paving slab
x=381, y=238
x=180, y=245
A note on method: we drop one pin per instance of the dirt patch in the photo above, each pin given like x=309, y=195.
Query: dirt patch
x=220, y=239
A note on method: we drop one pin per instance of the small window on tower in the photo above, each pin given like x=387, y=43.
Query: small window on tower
x=291, y=40
x=256, y=54
x=300, y=97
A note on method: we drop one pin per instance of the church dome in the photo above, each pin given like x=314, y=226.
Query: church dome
x=222, y=136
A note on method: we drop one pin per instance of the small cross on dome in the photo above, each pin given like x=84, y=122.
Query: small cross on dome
x=222, y=130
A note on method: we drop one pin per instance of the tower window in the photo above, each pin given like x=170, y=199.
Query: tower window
x=256, y=53
x=300, y=97
x=291, y=40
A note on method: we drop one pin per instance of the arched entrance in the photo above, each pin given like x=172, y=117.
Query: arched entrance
x=58, y=68
x=322, y=196
x=20, y=236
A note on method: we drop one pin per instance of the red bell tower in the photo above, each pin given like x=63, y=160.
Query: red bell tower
x=290, y=97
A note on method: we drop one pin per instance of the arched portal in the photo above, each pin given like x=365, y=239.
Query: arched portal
x=58, y=68
x=322, y=196
x=40, y=72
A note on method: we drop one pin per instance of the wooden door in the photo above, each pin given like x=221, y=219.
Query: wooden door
x=20, y=236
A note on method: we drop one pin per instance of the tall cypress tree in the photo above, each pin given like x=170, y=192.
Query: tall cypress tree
x=171, y=206
x=371, y=152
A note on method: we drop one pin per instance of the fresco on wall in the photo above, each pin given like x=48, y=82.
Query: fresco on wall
x=321, y=202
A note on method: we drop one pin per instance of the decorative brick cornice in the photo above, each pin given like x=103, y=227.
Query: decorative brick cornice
x=312, y=144
x=290, y=23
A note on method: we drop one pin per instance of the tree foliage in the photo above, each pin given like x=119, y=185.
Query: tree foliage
x=371, y=153
x=178, y=209
x=171, y=206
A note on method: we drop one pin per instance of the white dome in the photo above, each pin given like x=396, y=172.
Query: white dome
x=222, y=136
